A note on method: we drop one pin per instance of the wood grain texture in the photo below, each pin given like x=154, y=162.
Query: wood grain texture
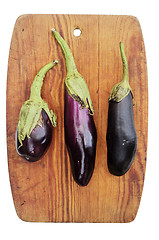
x=45, y=190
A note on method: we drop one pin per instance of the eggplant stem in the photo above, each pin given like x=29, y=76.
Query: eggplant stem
x=36, y=86
x=121, y=89
x=74, y=82
x=70, y=63
x=125, y=64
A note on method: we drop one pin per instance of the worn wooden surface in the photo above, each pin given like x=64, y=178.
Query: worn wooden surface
x=45, y=190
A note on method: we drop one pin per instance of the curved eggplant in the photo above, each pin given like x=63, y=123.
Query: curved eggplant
x=81, y=137
x=34, y=130
x=80, y=130
x=121, y=134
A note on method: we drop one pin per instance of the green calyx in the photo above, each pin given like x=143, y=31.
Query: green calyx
x=121, y=89
x=30, y=113
x=74, y=82
x=78, y=90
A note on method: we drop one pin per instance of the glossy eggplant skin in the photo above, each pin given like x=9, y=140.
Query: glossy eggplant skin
x=36, y=145
x=121, y=136
x=81, y=138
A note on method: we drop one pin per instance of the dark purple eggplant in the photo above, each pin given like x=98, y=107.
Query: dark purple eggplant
x=81, y=137
x=121, y=134
x=80, y=130
x=34, y=129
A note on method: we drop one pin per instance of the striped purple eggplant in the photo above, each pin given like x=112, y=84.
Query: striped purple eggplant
x=80, y=130
x=121, y=133
x=34, y=130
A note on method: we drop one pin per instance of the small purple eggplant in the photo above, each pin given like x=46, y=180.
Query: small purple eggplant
x=121, y=134
x=80, y=130
x=34, y=130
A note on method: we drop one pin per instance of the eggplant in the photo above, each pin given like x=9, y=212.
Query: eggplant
x=80, y=130
x=121, y=134
x=34, y=129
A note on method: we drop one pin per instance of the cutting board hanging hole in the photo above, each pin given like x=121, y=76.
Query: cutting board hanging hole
x=77, y=32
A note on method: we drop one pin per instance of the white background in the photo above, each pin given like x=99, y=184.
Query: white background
x=146, y=222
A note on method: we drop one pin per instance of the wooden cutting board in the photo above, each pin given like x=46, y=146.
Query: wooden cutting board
x=45, y=191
